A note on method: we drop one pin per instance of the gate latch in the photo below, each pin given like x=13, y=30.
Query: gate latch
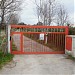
x=10, y=38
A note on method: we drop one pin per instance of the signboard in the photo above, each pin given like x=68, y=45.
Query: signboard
x=41, y=37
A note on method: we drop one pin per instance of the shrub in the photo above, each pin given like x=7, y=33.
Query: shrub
x=71, y=30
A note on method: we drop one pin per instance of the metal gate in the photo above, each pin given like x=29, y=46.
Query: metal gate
x=38, y=39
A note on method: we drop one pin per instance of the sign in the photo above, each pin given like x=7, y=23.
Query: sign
x=41, y=37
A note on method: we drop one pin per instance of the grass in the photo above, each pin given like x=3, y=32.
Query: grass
x=5, y=58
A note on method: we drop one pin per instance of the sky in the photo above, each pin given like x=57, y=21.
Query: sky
x=28, y=13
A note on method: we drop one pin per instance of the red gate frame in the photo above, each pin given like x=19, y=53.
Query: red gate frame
x=22, y=26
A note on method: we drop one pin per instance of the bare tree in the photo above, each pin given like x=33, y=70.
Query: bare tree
x=12, y=18
x=8, y=6
x=62, y=16
x=45, y=13
x=52, y=11
x=46, y=10
x=38, y=9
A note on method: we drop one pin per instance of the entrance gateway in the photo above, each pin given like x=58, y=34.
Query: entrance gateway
x=37, y=39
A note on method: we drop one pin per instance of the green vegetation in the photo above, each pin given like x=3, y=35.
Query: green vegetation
x=2, y=43
x=5, y=58
x=71, y=30
x=70, y=56
x=14, y=48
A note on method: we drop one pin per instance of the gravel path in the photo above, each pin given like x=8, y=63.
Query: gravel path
x=39, y=65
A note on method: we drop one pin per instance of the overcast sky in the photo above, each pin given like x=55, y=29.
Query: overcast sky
x=28, y=14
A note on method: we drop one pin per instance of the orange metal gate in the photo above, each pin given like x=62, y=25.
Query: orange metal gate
x=38, y=39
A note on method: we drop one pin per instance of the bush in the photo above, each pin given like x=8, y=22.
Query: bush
x=71, y=30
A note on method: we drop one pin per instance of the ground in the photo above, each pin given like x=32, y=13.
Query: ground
x=55, y=64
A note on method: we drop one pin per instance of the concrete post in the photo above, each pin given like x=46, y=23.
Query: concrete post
x=73, y=45
x=70, y=45
x=9, y=27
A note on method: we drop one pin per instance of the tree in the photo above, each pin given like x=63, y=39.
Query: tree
x=38, y=8
x=46, y=11
x=13, y=18
x=62, y=16
x=22, y=23
x=8, y=6
x=52, y=11
x=39, y=23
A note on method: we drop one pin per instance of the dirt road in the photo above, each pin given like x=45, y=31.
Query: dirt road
x=39, y=65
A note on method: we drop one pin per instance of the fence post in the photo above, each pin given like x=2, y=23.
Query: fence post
x=66, y=33
x=67, y=30
x=9, y=27
x=46, y=38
